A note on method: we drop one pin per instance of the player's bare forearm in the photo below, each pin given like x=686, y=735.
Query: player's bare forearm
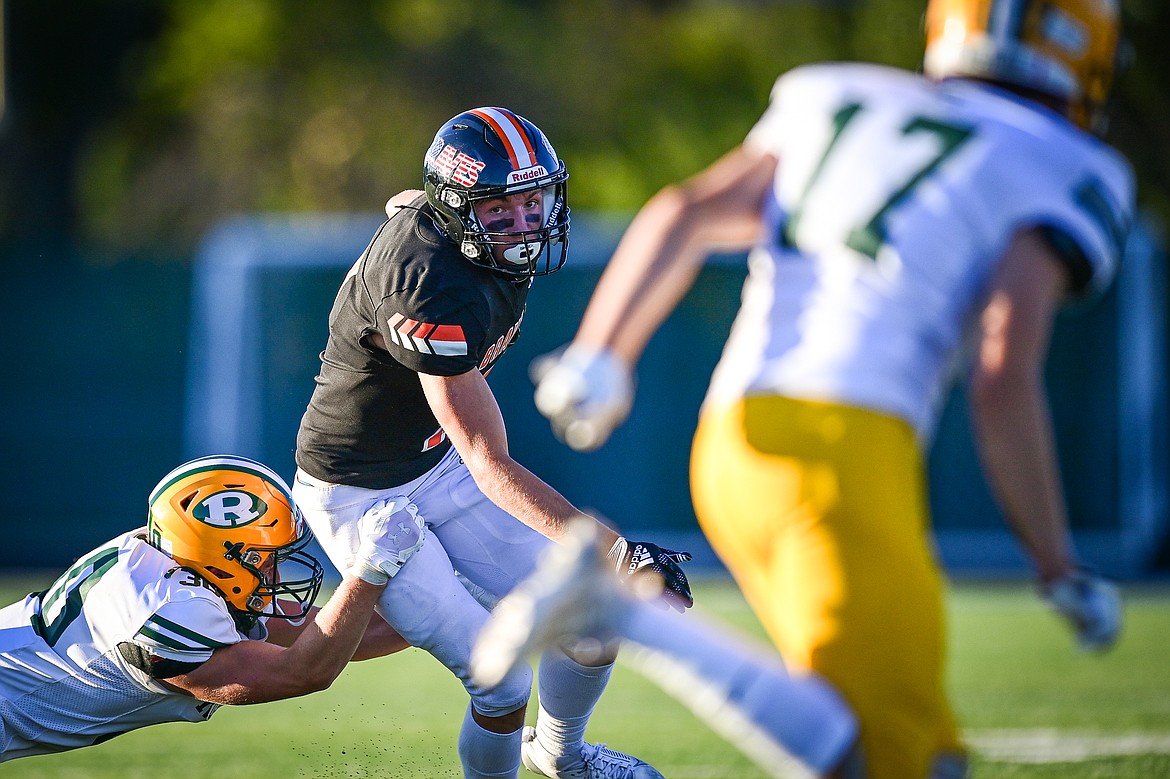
x=1019, y=455
x=467, y=410
x=1010, y=404
x=648, y=275
x=329, y=642
x=659, y=257
x=379, y=640
x=527, y=497
x=259, y=671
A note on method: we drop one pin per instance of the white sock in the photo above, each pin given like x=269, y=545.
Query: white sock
x=568, y=691
x=487, y=755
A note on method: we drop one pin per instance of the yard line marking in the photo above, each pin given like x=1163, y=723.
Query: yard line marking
x=1049, y=745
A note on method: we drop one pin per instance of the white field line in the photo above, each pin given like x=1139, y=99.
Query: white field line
x=1062, y=746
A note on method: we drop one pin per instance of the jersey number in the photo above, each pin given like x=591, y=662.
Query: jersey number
x=62, y=602
x=868, y=238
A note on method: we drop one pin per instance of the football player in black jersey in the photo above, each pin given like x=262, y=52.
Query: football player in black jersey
x=401, y=410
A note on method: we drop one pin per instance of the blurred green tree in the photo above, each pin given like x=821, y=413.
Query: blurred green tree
x=143, y=123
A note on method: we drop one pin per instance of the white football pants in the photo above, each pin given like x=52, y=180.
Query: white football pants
x=425, y=601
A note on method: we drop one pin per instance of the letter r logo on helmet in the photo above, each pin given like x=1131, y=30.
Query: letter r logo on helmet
x=231, y=508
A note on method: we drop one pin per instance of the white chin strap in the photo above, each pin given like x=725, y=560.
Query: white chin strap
x=523, y=253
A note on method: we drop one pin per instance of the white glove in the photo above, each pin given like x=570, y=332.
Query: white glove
x=584, y=392
x=1091, y=605
x=391, y=531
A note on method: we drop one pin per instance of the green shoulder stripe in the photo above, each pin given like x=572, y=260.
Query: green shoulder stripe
x=197, y=640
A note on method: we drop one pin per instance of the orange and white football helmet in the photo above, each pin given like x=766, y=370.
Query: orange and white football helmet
x=1066, y=49
x=233, y=521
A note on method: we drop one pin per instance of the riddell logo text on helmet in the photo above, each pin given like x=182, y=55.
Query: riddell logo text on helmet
x=528, y=174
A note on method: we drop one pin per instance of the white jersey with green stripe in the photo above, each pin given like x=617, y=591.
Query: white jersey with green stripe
x=893, y=201
x=64, y=683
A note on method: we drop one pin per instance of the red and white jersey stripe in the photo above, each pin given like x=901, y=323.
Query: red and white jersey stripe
x=434, y=440
x=444, y=340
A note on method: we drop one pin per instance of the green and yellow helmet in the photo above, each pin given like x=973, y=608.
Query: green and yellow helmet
x=233, y=521
x=1066, y=49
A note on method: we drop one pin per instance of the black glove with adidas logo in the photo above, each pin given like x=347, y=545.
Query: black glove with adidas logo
x=637, y=559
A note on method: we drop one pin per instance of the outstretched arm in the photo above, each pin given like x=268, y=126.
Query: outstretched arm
x=259, y=671
x=378, y=640
x=1010, y=410
x=660, y=254
x=466, y=408
x=1010, y=405
x=586, y=390
x=468, y=413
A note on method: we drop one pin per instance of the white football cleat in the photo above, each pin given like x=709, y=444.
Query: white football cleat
x=595, y=761
x=572, y=600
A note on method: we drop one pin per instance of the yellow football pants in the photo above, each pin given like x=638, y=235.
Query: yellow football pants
x=820, y=513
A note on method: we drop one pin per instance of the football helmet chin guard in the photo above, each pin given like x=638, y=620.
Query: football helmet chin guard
x=488, y=153
x=233, y=521
x=1064, y=49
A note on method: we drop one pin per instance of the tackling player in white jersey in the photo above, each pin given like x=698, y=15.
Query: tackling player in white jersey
x=211, y=603
x=894, y=220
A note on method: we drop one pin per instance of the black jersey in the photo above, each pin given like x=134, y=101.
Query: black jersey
x=368, y=423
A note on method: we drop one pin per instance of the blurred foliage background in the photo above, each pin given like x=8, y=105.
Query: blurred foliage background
x=130, y=129
x=137, y=125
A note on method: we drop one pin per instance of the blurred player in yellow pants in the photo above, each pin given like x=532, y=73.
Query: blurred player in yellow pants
x=820, y=511
x=898, y=223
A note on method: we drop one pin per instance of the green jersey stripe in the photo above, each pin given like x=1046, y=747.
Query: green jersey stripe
x=170, y=634
x=102, y=559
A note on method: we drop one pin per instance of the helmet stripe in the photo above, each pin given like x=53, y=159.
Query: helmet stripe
x=509, y=129
x=217, y=462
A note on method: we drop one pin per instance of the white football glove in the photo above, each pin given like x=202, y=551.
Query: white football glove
x=1091, y=605
x=584, y=392
x=391, y=531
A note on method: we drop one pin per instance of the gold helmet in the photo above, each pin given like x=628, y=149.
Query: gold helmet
x=234, y=522
x=1065, y=49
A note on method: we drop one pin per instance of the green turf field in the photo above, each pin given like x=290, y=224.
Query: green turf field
x=1029, y=703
